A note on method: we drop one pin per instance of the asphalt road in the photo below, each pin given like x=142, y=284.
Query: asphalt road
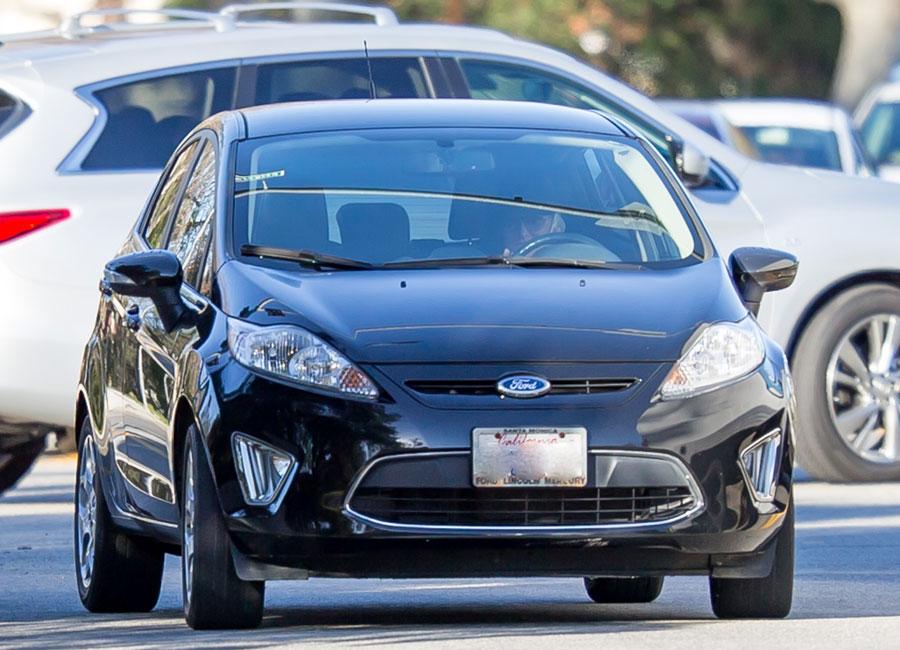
x=847, y=593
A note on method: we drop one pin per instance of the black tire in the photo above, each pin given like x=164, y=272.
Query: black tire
x=821, y=450
x=768, y=597
x=126, y=573
x=215, y=598
x=624, y=590
x=15, y=463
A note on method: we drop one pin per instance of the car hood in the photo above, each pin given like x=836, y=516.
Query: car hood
x=489, y=314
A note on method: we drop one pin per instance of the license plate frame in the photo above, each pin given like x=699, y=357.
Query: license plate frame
x=528, y=457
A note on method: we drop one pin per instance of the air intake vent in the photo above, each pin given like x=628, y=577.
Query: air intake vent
x=489, y=386
x=523, y=506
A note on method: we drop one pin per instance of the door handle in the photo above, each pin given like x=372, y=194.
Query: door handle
x=133, y=318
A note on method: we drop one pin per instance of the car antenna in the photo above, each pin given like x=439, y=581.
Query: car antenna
x=369, y=65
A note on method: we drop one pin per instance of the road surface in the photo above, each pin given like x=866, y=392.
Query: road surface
x=847, y=593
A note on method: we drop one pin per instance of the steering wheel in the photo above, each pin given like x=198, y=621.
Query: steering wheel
x=531, y=247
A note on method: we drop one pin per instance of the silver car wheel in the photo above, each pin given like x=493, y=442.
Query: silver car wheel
x=863, y=384
x=86, y=504
x=190, y=508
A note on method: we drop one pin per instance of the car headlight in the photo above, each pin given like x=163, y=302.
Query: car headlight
x=722, y=354
x=292, y=353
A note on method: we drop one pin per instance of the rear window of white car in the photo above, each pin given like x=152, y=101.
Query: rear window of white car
x=146, y=119
x=12, y=112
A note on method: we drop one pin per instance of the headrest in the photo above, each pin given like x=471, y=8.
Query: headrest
x=377, y=232
x=294, y=221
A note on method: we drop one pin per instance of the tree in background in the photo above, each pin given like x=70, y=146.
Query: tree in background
x=685, y=48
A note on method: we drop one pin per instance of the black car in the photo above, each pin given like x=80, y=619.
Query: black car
x=425, y=338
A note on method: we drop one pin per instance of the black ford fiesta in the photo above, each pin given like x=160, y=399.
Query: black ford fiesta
x=430, y=339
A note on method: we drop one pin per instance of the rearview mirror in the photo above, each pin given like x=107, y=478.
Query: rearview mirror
x=156, y=275
x=757, y=271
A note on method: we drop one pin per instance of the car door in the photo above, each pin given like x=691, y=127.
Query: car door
x=153, y=353
x=731, y=220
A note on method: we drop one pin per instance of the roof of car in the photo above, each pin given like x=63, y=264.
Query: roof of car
x=306, y=117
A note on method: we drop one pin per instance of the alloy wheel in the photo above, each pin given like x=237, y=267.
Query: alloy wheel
x=863, y=384
x=86, y=521
x=190, y=509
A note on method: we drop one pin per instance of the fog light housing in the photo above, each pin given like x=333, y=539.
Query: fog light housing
x=263, y=470
x=759, y=463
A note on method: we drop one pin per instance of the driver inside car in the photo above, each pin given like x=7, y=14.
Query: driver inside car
x=520, y=230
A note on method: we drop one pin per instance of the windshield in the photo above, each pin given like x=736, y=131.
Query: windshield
x=794, y=146
x=408, y=196
x=881, y=134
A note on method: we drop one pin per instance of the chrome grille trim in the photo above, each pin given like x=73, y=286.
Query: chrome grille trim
x=489, y=386
x=519, y=530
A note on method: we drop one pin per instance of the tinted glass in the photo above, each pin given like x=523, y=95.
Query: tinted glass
x=155, y=230
x=12, y=113
x=415, y=194
x=881, y=134
x=339, y=79
x=494, y=80
x=191, y=229
x=790, y=146
x=147, y=119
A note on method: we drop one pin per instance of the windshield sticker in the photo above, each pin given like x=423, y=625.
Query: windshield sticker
x=258, y=177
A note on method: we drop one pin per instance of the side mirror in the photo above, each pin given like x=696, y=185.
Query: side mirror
x=156, y=275
x=693, y=165
x=757, y=271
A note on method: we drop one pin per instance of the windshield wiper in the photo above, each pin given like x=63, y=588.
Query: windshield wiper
x=449, y=261
x=573, y=263
x=305, y=257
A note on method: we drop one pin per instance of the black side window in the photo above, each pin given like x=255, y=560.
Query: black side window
x=147, y=119
x=339, y=79
x=12, y=113
x=155, y=229
x=191, y=228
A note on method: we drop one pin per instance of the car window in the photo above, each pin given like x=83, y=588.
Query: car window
x=862, y=165
x=881, y=134
x=339, y=79
x=497, y=80
x=795, y=146
x=12, y=113
x=155, y=228
x=408, y=195
x=146, y=119
x=206, y=279
x=191, y=228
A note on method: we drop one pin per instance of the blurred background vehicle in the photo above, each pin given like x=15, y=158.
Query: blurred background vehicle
x=98, y=107
x=782, y=131
x=706, y=115
x=799, y=132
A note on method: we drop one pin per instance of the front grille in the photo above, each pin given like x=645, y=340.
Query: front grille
x=522, y=506
x=489, y=386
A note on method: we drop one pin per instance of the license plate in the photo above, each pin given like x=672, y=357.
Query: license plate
x=529, y=457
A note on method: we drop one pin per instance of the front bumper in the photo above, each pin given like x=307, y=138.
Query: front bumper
x=315, y=531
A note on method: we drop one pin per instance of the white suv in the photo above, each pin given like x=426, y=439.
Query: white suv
x=89, y=116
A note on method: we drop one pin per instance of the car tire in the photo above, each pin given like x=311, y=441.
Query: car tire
x=643, y=589
x=836, y=330
x=768, y=597
x=214, y=596
x=115, y=572
x=16, y=462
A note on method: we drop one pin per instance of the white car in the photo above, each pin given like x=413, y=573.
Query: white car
x=96, y=112
x=878, y=118
x=799, y=132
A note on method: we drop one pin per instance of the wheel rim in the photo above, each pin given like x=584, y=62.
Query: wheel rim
x=86, y=515
x=187, y=551
x=863, y=384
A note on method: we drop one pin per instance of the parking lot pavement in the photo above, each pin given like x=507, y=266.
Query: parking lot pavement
x=847, y=593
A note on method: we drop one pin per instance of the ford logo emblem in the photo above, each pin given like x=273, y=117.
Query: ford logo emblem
x=523, y=386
